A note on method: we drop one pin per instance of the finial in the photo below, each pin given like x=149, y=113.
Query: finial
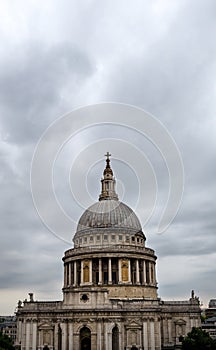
x=107, y=155
x=108, y=182
x=107, y=160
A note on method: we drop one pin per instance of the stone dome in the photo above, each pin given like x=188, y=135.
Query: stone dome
x=109, y=221
x=109, y=213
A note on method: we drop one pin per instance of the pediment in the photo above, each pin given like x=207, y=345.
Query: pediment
x=45, y=326
x=134, y=323
x=180, y=322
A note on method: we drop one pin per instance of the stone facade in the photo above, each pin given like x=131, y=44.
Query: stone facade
x=110, y=299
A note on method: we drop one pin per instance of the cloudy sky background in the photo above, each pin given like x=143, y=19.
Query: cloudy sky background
x=55, y=56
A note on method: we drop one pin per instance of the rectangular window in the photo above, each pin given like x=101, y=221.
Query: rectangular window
x=120, y=238
x=113, y=237
x=91, y=238
x=98, y=238
x=105, y=237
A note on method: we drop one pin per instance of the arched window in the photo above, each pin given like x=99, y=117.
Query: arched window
x=85, y=339
x=115, y=338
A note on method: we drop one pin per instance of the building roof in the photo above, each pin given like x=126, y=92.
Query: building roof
x=109, y=212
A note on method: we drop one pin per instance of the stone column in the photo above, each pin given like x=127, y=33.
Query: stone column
x=109, y=271
x=40, y=338
x=81, y=282
x=155, y=276
x=76, y=341
x=70, y=345
x=120, y=336
x=64, y=336
x=170, y=330
x=150, y=272
x=69, y=273
x=75, y=273
x=99, y=336
x=145, y=335
x=165, y=331
x=159, y=334
x=65, y=275
x=152, y=336
x=19, y=331
x=34, y=335
x=144, y=272
x=106, y=347
x=129, y=271
x=56, y=336
x=107, y=337
x=120, y=271
x=100, y=271
x=109, y=341
x=27, y=335
x=153, y=273
x=90, y=271
x=72, y=273
x=137, y=272
x=23, y=333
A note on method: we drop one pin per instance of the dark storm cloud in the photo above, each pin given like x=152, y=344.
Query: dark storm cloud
x=175, y=80
x=159, y=56
x=32, y=86
x=201, y=281
x=29, y=256
x=177, y=65
x=32, y=83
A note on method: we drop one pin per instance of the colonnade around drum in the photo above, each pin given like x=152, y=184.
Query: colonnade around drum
x=109, y=271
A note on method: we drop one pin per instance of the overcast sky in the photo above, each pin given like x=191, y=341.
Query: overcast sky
x=158, y=55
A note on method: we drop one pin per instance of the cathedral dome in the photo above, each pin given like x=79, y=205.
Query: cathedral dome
x=109, y=214
x=108, y=221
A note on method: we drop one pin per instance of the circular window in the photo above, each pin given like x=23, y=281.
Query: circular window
x=84, y=298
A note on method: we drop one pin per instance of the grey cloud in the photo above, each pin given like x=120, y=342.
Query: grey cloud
x=176, y=70
x=32, y=86
x=30, y=256
x=167, y=69
x=201, y=282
